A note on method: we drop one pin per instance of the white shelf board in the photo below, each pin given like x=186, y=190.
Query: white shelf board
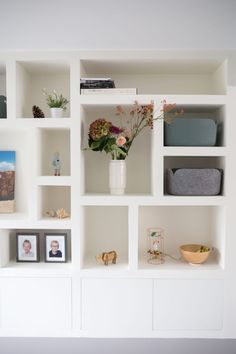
x=194, y=151
x=36, y=269
x=53, y=223
x=54, y=181
x=45, y=122
x=184, y=100
x=98, y=200
x=179, y=268
x=193, y=200
x=107, y=100
x=94, y=266
x=20, y=123
x=107, y=199
x=14, y=216
x=14, y=220
x=171, y=269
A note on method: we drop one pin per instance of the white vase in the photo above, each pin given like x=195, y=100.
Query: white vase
x=117, y=177
x=56, y=112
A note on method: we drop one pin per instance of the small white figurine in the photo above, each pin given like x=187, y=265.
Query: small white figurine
x=56, y=164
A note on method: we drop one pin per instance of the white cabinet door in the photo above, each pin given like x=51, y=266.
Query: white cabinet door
x=188, y=304
x=35, y=303
x=116, y=306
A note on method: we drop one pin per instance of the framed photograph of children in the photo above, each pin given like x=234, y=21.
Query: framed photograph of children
x=55, y=247
x=27, y=247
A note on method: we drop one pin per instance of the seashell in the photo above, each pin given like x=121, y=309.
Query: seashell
x=51, y=213
x=62, y=213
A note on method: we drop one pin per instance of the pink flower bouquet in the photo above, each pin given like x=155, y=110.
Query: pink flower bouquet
x=117, y=140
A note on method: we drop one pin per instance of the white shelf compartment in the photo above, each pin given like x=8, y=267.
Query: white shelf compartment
x=95, y=165
x=104, y=229
x=19, y=141
x=214, y=111
x=54, y=181
x=195, y=162
x=184, y=225
x=161, y=75
x=8, y=253
x=32, y=76
x=53, y=197
x=51, y=140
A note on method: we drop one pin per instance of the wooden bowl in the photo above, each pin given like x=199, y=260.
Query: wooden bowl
x=192, y=254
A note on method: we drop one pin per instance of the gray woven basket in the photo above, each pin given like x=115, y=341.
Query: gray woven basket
x=196, y=181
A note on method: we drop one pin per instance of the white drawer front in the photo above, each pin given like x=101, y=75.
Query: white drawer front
x=36, y=303
x=188, y=304
x=116, y=305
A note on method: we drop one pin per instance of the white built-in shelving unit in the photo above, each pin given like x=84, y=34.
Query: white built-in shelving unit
x=133, y=298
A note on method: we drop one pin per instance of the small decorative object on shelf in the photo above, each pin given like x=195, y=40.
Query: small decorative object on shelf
x=27, y=247
x=56, y=102
x=194, y=181
x=155, y=248
x=117, y=140
x=56, y=163
x=55, y=247
x=107, y=257
x=7, y=181
x=191, y=132
x=37, y=112
x=59, y=213
x=96, y=83
x=194, y=253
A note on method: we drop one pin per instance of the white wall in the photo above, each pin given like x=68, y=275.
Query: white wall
x=117, y=24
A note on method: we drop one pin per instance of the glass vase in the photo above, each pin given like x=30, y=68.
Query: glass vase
x=155, y=246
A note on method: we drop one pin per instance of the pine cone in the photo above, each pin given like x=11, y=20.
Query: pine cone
x=37, y=112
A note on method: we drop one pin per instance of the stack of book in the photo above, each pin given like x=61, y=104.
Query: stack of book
x=96, y=83
x=101, y=86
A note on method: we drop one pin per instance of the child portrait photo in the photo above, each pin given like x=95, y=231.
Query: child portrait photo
x=55, y=248
x=27, y=247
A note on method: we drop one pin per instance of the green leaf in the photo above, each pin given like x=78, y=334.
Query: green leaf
x=118, y=150
x=95, y=145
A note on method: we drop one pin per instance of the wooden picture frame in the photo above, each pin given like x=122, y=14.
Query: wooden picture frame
x=27, y=247
x=55, y=245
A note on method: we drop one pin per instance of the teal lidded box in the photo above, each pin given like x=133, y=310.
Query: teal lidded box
x=191, y=132
x=3, y=107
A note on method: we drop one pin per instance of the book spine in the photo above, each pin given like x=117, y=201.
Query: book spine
x=97, y=84
x=89, y=79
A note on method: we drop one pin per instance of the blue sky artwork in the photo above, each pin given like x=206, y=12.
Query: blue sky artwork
x=7, y=161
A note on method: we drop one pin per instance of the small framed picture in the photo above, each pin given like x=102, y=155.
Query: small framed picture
x=27, y=247
x=55, y=247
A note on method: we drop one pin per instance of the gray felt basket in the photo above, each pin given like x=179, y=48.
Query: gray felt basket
x=191, y=132
x=196, y=181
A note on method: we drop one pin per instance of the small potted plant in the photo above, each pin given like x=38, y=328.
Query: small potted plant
x=56, y=102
